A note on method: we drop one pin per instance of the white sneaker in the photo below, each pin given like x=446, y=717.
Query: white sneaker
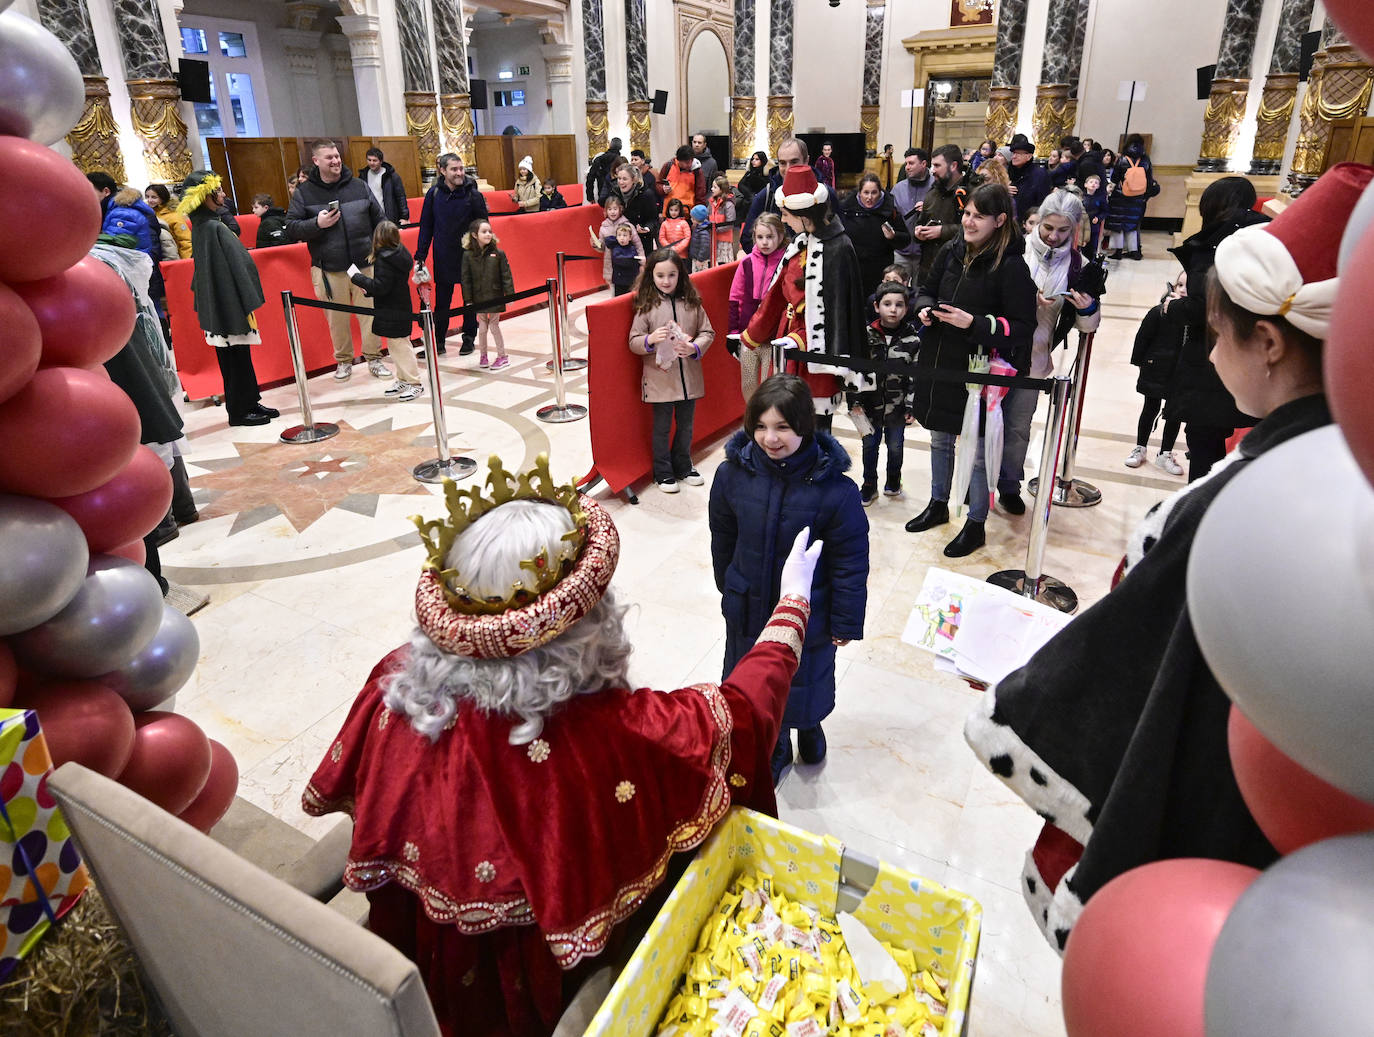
x=343, y=372
x=693, y=478
x=395, y=388
x=1137, y=457
x=669, y=486
x=1166, y=462
x=378, y=369
x=410, y=391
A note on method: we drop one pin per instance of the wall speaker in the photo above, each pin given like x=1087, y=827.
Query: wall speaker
x=477, y=93
x=660, y=102
x=193, y=77
x=1311, y=43
x=1204, y=81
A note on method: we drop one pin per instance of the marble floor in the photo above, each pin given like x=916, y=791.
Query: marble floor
x=310, y=564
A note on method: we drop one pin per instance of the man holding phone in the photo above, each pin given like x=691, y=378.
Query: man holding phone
x=334, y=213
x=942, y=209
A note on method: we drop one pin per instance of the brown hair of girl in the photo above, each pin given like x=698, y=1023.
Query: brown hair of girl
x=647, y=295
x=384, y=236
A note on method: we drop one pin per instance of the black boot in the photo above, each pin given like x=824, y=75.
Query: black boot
x=970, y=539
x=166, y=530
x=1012, y=503
x=782, y=753
x=183, y=503
x=936, y=514
x=811, y=744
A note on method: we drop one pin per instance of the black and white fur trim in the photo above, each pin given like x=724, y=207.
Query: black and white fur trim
x=1056, y=912
x=1151, y=527
x=1022, y=770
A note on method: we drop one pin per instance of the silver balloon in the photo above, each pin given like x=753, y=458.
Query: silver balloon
x=1294, y=954
x=42, y=93
x=162, y=666
x=1281, y=595
x=43, y=558
x=115, y=613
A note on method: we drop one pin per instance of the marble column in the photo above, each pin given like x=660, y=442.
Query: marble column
x=781, y=14
x=637, y=74
x=742, y=104
x=594, y=57
x=871, y=96
x=1052, y=94
x=456, y=130
x=1280, y=88
x=422, y=111
x=94, y=140
x=1230, y=86
x=1005, y=96
x=153, y=94
x=1337, y=88
x=1080, y=33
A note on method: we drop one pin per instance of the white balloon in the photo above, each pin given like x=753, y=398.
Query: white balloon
x=1360, y=218
x=1281, y=595
x=42, y=93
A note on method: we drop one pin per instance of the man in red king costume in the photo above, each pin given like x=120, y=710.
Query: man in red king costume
x=815, y=301
x=513, y=799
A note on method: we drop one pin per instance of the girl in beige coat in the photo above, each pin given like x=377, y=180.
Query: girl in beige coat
x=671, y=332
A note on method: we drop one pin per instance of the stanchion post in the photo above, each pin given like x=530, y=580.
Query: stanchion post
x=445, y=466
x=570, y=363
x=1031, y=582
x=308, y=431
x=1071, y=492
x=560, y=410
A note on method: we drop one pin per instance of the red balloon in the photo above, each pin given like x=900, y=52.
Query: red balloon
x=9, y=675
x=85, y=313
x=23, y=343
x=1136, y=961
x=83, y=721
x=64, y=433
x=214, y=800
x=1292, y=806
x=125, y=508
x=135, y=550
x=171, y=760
x=1345, y=359
x=1357, y=22
x=61, y=212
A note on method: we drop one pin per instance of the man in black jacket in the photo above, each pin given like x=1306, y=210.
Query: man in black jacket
x=450, y=207
x=598, y=174
x=942, y=208
x=791, y=152
x=334, y=213
x=386, y=186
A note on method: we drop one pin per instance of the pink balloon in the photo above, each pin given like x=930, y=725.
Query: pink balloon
x=83, y=721
x=125, y=508
x=9, y=675
x=1292, y=806
x=134, y=550
x=85, y=313
x=1357, y=22
x=171, y=760
x=23, y=343
x=61, y=212
x=1136, y=962
x=217, y=796
x=66, y=432
x=1348, y=372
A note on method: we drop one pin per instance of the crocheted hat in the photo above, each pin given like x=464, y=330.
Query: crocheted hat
x=527, y=163
x=801, y=190
x=1287, y=268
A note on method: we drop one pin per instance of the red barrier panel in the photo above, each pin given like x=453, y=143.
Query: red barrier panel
x=621, y=422
x=530, y=242
x=248, y=229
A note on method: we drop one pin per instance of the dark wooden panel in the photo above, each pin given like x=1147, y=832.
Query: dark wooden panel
x=494, y=162
x=404, y=154
x=219, y=160
x=562, y=150
x=255, y=167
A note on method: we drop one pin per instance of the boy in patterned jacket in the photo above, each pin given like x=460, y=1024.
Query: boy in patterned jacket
x=882, y=413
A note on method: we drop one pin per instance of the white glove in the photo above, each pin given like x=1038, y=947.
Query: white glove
x=353, y=270
x=800, y=566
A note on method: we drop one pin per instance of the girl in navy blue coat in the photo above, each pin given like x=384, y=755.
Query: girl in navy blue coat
x=780, y=476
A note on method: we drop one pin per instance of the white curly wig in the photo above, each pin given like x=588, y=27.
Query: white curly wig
x=591, y=655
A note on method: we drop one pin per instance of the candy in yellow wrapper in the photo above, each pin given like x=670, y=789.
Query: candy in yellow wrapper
x=931, y=987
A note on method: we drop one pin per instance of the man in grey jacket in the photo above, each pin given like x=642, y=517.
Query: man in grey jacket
x=908, y=194
x=334, y=213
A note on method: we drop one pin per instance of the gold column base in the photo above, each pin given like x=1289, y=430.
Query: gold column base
x=158, y=125
x=1272, y=121
x=1048, y=121
x=1000, y=122
x=779, y=120
x=868, y=122
x=598, y=128
x=456, y=129
x=1337, y=88
x=742, y=118
x=422, y=123
x=1221, y=123
x=94, y=139
x=639, y=125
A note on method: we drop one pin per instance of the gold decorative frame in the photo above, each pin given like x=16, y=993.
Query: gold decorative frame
x=951, y=52
x=693, y=17
x=94, y=139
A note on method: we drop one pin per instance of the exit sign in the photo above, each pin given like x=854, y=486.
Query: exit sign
x=523, y=70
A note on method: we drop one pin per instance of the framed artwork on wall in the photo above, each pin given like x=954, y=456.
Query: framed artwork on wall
x=970, y=12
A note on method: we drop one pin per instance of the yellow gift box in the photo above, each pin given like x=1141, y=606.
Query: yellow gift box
x=940, y=926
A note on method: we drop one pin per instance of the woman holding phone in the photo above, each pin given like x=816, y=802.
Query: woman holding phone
x=978, y=299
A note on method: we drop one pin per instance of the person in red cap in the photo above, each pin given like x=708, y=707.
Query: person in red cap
x=815, y=301
x=1115, y=731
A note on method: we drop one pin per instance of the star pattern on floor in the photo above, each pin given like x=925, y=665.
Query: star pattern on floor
x=348, y=472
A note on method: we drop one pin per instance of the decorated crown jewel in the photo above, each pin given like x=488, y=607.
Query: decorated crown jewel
x=466, y=506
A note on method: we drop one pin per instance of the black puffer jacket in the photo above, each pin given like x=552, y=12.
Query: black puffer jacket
x=347, y=241
x=641, y=209
x=389, y=289
x=1001, y=299
x=1198, y=394
x=865, y=229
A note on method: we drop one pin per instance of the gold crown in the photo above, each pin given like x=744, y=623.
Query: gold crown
x=466, y=506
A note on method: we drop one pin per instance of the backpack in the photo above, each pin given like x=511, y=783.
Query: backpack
x=1136, y=182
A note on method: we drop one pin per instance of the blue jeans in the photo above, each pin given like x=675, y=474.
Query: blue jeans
x=1018, y=413
x=942, y=474
x=893, y=435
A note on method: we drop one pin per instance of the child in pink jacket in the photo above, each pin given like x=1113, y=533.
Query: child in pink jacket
x=752, y=278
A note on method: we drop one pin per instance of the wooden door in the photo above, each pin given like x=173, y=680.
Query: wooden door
x=493, y=161
x=404, y=154
x=219, y=160
x=561, y=150
x=255, y=167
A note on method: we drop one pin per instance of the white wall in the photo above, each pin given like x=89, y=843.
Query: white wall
x=511, y=46
x=827, y=65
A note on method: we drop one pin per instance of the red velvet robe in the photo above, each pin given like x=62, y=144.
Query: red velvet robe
x=782, y=314
x=497, y=867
